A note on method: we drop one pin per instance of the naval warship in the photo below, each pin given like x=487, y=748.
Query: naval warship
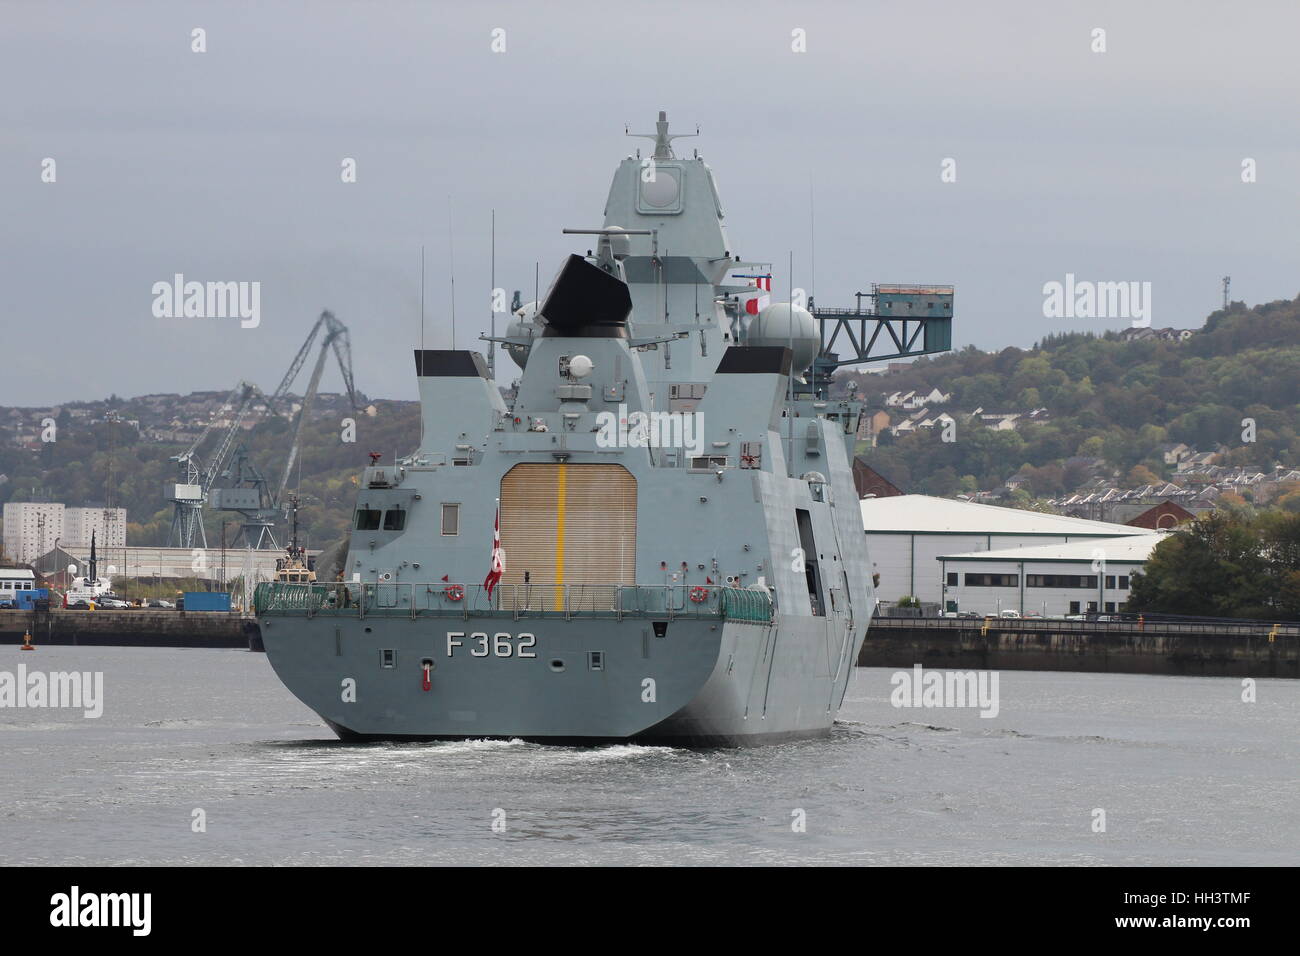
x=657, y=539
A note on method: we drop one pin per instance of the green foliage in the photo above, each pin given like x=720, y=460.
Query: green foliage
x=1109, y=399
x=75, y=470
x=1225, y=564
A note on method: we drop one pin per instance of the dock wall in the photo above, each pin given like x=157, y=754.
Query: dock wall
x=1210, y=650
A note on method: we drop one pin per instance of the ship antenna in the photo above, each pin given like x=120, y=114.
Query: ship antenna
x=789, y=408
x=421, y=307
x=492, y=345
x=451, y=269
x=812, y=259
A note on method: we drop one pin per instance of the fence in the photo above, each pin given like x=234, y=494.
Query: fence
x=516, y=601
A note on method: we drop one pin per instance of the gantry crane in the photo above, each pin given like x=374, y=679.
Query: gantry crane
x=246, y=491
x=195, y=476
x=336, y=338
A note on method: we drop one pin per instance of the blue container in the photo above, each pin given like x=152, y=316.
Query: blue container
x=206, y=601
x=26, y=600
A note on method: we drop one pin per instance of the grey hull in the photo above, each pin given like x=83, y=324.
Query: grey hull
x=702, y=683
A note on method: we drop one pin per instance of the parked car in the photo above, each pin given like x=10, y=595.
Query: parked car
x=79, y=605
x=159, y=602
x=116, y=604
x=1010, y=613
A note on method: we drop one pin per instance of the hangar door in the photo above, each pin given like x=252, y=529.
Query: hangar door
x=567, y=525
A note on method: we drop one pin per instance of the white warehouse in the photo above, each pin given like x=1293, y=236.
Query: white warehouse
x=907, y=534
x=1093, y=574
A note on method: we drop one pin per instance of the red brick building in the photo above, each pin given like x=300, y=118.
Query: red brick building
x=868, y=481
x=1167, y=514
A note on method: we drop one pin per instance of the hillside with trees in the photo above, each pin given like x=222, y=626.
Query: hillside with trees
x=75, y=469
x=1106, y=398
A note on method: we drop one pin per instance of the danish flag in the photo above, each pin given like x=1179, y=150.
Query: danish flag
x=498, y=555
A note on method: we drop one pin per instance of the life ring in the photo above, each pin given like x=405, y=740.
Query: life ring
x=699, y=595
x=454, y=592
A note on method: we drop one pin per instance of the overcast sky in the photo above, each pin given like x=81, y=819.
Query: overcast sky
x=225, y=165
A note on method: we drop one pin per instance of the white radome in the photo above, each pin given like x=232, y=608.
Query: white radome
x=786, y=325
x=580, y=366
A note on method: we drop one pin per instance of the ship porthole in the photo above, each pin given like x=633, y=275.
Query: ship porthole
x=557, y=665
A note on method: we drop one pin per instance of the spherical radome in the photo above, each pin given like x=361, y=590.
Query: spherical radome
x=790, y=326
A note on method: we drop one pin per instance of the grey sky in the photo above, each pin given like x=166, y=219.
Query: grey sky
x=1124, y=165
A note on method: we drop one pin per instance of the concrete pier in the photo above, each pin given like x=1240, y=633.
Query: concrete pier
x=1121, y=647
x=131, y=628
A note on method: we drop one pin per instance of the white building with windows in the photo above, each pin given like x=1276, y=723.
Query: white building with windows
x=907, y=534
x=108, y=525
x=1050, y=580
x=34, y=528
x=30, y=529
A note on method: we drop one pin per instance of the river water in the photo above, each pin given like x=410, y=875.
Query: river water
x=1184, y=770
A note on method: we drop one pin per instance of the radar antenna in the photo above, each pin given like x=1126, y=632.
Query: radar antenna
x=663, y=141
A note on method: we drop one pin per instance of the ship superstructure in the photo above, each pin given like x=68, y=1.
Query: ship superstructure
x=657, y=539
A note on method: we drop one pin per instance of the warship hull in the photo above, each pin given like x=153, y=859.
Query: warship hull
x=663, y=505
x=685, y=683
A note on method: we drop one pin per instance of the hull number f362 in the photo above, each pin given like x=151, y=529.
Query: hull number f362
x=480, y=644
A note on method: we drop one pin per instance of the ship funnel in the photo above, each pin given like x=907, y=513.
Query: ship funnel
x=585, y=301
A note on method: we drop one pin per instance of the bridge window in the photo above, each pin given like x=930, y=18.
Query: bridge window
x=394, y=519
x=368, y=519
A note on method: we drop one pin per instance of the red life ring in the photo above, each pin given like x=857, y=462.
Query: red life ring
x=699, y=594
x=454, y=592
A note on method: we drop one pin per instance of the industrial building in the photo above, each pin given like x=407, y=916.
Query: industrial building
x=32, y=528
x=1087, y=574
x=907, y=534
x=163, y=563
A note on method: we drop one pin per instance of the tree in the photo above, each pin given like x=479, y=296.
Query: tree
x=1225, y=565
x=1141, y=475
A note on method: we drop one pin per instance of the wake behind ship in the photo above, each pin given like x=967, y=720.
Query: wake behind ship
x=658, y=539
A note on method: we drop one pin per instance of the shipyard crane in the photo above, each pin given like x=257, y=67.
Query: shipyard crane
x=195, y=476
x=336, y=338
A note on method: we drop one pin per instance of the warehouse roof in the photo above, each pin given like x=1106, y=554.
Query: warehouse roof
x=1130, y=548
x=923, y=514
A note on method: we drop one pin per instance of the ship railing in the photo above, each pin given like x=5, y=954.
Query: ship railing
x=517, y=601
